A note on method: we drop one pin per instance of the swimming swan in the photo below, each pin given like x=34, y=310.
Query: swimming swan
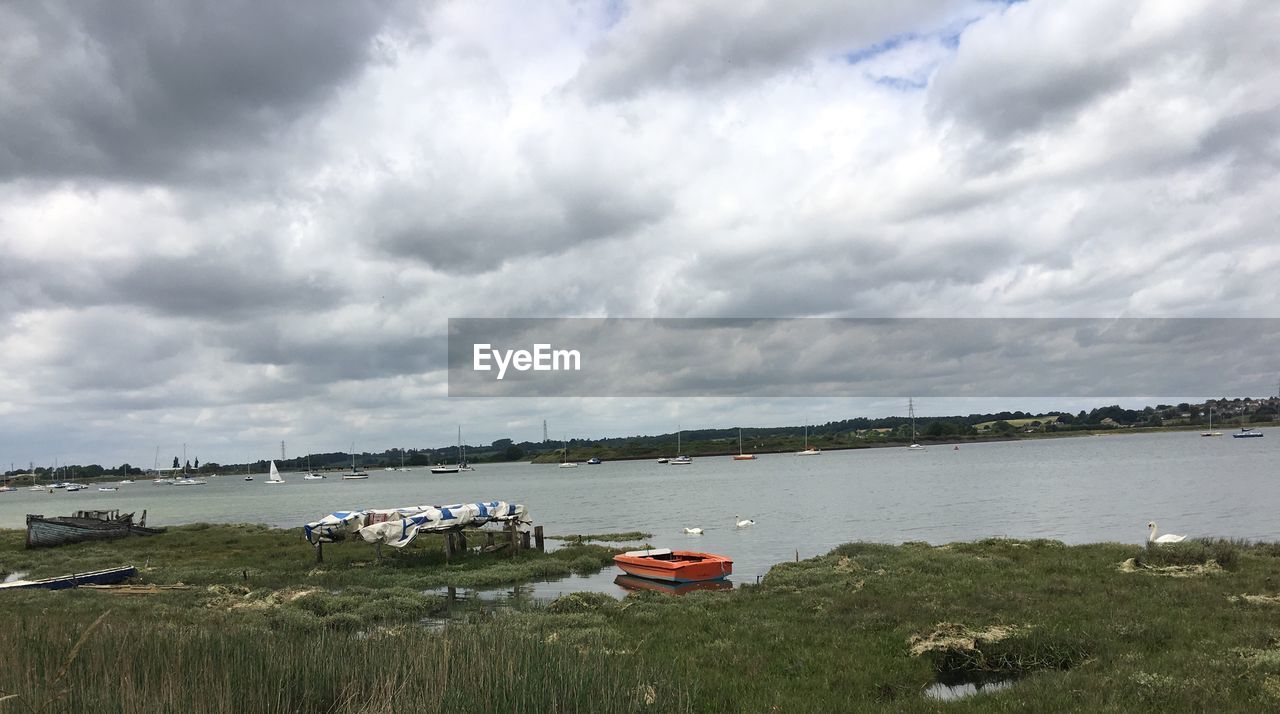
x=747, y=523
x=693, y=531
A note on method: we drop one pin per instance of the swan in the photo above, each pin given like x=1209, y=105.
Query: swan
x=693, y=531
x=747, y=523
x=1166, y=538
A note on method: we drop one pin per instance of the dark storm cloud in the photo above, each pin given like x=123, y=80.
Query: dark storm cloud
x=156, y=91
x=322, y=357
x=215, y=283
x=476, y=228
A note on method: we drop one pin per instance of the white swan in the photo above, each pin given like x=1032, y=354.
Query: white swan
x=747, y=523
x=693, y=531
x=1166, y=538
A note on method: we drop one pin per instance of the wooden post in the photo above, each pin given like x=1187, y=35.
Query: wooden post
x=448, y=546
x=377, y=549
x=524, y=540
x=320, y=552
x=488, y=539
x=511, y=538
x=462, y=542
x=538, y=539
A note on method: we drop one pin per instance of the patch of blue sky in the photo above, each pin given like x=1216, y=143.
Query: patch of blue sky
x=880, y=48
x=614, y=11
x=903, y=84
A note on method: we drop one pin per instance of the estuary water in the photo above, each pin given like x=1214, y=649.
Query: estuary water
x=1078, y=490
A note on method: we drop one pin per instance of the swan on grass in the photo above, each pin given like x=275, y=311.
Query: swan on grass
x=746, y=523
x=1166, y=538
x=693, y=531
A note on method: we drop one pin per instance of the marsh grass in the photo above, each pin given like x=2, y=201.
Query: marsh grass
x=1225, y=553
x=135, y=667
x=831, y=633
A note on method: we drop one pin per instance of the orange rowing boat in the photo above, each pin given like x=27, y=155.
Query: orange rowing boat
x=674, y=566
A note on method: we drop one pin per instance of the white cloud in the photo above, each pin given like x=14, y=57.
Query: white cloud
x=286, y=264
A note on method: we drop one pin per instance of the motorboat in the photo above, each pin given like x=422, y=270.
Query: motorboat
x=1248, y=432
x=594, y=461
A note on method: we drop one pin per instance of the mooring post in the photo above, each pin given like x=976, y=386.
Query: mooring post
x=448, y=546
x=538, y=539
x=524, y=540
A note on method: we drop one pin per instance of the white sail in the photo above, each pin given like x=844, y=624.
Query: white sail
x=275, y=475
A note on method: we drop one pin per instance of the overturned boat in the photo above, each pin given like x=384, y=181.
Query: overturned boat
x=45, y=532
x=109, y=576
x=674, y=566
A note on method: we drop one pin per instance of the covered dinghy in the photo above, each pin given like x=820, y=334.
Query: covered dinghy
x=399, y=533
x=399, y=526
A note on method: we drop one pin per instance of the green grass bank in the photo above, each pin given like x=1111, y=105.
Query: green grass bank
x=868, y=627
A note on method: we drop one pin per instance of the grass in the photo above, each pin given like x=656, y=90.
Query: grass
x=866, y=627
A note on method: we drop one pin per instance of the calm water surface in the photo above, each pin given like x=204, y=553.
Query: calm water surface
x=1077, y=490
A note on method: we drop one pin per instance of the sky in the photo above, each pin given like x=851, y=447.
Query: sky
x=230, y=224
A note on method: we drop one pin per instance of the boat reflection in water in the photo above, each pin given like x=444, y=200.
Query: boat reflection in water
x=631, y=582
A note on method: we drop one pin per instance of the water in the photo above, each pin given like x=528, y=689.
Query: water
x=951, y=692
x=1078, y=490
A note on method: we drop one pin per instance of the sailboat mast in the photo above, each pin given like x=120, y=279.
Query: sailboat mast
x=911, y=410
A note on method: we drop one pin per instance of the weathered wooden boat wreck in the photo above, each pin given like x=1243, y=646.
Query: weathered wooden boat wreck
x=109, y=576
x=84, y=525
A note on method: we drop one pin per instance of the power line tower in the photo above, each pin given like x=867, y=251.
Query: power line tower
x=544, y=431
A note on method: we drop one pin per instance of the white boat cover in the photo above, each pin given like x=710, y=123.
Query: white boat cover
x=398, y=527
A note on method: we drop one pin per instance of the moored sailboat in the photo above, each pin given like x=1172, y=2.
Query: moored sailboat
x=740, y=455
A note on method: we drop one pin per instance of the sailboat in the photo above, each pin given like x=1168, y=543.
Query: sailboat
x=565, y=463
x=808, y=450
x=741, y=456
x=911, y=410
x=1211, y=432
x=274, y=477
x=247, y=476
x=462, y=464
x=311, y=475
x=680, y=459
x=354, y=475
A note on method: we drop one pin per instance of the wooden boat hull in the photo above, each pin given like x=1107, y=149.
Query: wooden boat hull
x=110, y=576
x=680, y=566
x=48, y=532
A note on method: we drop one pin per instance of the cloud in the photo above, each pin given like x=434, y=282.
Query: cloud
x=139, y=91
x=706, y=44
x=237, y=225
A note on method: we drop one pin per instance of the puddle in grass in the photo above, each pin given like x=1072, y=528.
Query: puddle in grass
x=950, y=689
